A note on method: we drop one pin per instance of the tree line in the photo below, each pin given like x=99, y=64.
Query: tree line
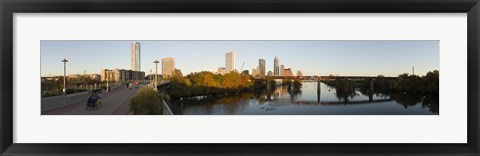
x=207, y=83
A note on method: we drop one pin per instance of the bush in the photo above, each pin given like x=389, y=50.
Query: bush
x=146, y=102
x=71, y=91
x=51, y=93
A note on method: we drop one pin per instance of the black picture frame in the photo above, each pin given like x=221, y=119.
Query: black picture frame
x=8, y=7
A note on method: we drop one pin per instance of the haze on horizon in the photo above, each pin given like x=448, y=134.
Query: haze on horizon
x=317, y=57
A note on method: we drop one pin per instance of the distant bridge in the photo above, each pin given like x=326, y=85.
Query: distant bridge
x=341, y=102
x=323, y=77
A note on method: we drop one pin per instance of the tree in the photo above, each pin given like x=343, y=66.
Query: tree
x=146, y=102
x=209, y=81
x=431, y=82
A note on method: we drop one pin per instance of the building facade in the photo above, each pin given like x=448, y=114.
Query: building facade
x=222, y=70
x=121, y=75
x=282, y=70
x=230, y=61
x=168, y=67
x=269, y=73
x=276, y=66
x=261, y=67
x=287, y=72
x=255, y=72
x=299, y=73
x=135, y=56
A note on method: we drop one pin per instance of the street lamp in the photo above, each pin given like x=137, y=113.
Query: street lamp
x=156, y=70
x=64, y=76
x=108, y=78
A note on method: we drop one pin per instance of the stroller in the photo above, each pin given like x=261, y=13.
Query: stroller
x=94, y=101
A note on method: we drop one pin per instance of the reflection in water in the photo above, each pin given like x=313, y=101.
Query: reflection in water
x=312, y=99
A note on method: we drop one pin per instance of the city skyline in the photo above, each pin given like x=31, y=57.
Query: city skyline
x=368, y=58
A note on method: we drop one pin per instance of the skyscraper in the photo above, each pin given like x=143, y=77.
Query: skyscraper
x=135, y=53
x=168, y=67
x=276, y=67
x=282, y=70
x=230, y=61
x=261, y=67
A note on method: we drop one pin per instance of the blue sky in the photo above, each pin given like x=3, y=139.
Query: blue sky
x=360, y=58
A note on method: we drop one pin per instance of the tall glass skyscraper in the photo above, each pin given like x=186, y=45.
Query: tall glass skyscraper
x=276, y=67
x=230, y=61
x=135, y=53
x=261, y=67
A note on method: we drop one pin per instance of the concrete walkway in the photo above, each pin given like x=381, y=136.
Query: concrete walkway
x=114, y=103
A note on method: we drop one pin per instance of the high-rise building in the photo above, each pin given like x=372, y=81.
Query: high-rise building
x=261, y=67
x=230, y=61
x=276, y=67
x=168, y=67
x=282, y=70
x=135, y=53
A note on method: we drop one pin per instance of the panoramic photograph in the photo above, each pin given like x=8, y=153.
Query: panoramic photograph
x=239, y=77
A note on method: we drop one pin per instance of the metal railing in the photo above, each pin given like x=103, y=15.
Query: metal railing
x=166, y=109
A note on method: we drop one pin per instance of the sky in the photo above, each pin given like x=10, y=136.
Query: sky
x=317, y=57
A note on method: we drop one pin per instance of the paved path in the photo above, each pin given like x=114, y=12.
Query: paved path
x=114, y=103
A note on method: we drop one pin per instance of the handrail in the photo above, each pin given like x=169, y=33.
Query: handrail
x=166, y=108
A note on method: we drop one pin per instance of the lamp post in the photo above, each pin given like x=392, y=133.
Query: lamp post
x=64, y=76
x=108, y=78
x=156, y=70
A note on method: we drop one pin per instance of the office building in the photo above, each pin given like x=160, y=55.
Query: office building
x=287, y=72
x=230, y=61
x=222, y=70
x=282, y=70
x=299, y=73
x=276, y=66
x=168, y=67
x=121, y=75
x=269, y=73
x=255, y=72
x=261, y=67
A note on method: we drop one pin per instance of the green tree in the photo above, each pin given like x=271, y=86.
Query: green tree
x=146, y=102
x=431, y=82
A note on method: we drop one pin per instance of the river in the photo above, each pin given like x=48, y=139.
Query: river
x=308, y=100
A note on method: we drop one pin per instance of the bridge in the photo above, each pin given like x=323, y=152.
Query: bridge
x=322, y=77
x=370, y=101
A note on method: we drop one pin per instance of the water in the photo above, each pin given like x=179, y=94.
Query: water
x=306, y=101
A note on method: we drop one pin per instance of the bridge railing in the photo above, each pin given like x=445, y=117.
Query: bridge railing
x=166, y=108
x=48, y=103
